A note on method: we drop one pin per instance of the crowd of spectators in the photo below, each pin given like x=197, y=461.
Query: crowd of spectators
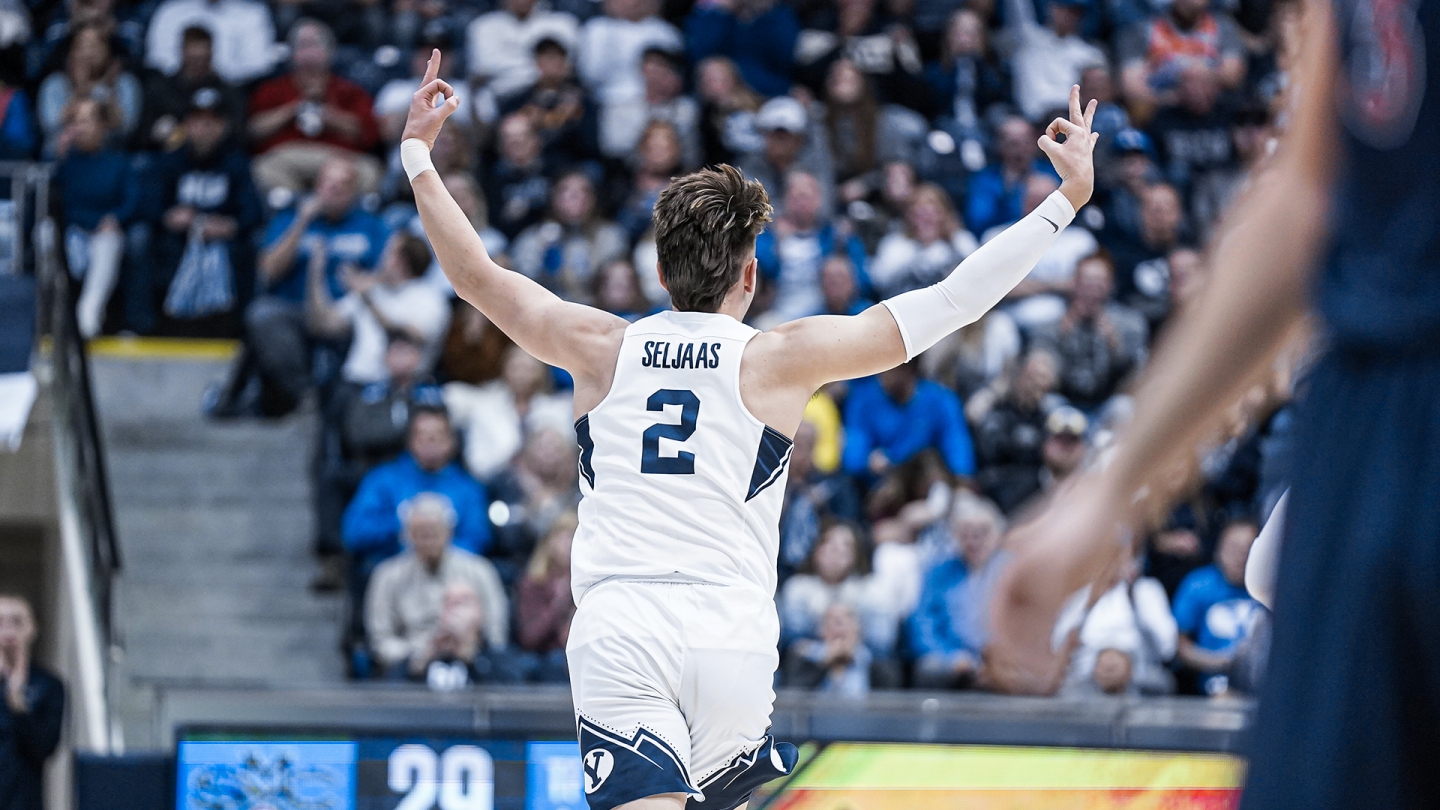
x=230, y=168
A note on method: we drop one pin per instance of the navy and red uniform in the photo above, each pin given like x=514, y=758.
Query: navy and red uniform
x=1350, y=715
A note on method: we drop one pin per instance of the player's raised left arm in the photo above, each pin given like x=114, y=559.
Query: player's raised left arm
x=827, y=348
x=575, y=337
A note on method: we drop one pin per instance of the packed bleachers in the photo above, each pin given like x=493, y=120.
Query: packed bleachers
x=229, y=168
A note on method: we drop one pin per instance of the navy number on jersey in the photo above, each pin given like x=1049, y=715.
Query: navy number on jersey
x=682, y=463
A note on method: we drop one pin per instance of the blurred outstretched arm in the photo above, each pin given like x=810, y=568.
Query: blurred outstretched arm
x=1262, y=262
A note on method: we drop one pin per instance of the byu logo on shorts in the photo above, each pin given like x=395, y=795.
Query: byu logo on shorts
x=598, y=764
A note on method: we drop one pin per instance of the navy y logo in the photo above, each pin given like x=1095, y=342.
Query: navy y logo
x=598, y=764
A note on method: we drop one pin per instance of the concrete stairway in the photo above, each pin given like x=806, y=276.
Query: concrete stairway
x=215, y=527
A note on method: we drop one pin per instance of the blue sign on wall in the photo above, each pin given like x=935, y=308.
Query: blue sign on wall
x=265, y=776
x=552, y=776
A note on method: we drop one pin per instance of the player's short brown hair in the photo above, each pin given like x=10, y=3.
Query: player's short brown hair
x=705, y=229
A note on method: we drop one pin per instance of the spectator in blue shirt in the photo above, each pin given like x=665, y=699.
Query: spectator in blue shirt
x=758, y=34
x=1214, y=612
x=17, y=124
x=891, y=418
x=275, y=321
x=950, y=627
x=997, y=193
x=100, y=195
x=371, y=528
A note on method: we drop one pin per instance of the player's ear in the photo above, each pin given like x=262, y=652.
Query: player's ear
x=752, y=268
x=660, y=274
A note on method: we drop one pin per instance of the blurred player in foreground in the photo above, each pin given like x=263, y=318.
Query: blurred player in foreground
x=1350, y=714
x=684, y=426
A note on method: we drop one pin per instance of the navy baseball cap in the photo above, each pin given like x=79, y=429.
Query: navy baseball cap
x=1132, y=140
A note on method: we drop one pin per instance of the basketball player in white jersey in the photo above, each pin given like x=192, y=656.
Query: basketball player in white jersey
x=684, y=426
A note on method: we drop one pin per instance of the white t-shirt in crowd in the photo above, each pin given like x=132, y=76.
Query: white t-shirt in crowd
x=501, y=46
x=494, y=431
x=243, y=33
x=415, y=304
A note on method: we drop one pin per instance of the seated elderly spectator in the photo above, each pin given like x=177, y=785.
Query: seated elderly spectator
x=244, y=33
x=371, y=528
x=791, y=143
x=792, y=250
x=611, y=50
x=950, y=628
x=544, y=605
x=303, y=119
x=895, y=416
x=975, y=355
x=1038, y=300
x=1213, y=610
x=837, y=570
x=32, y=713
x=837, y=662
x=207, y=203
x=517, y=183
x=997, y=193
x=1099, y=342
x=658, y=160
x=168, y=96
x=1048, y=58
x=1125, y=639
x=330, y=222
x=412, y=608
x=566, y=250
x=99, y=195
x=811, y=496
x=1010, y=436
x=540, y=488
x=882, y=47
x=92, y=71
x=496, y=417
x=1142, y=277
x=562, y=113
x=394, y=298
x=757, y=35
x=932, y=242
x=727, y=111
x=967, y=80
x=1153, y=53
x=502, y=46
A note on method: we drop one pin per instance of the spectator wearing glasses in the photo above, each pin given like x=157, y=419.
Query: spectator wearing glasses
x=412, y=607
x=303, y=119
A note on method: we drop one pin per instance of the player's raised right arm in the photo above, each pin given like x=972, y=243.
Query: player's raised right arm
x=577, y=338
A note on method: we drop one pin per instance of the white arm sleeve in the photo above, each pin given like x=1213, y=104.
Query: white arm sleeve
x=986, y=276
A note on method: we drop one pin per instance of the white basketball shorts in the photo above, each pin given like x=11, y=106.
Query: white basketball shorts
x=673, y=688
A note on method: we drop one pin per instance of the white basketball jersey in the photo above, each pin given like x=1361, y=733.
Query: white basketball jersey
x=679, y=480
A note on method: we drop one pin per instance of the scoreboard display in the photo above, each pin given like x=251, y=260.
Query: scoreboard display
x=228, y=771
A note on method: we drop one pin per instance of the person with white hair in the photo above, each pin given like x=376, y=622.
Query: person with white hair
x=951, y=626
x=409, y=594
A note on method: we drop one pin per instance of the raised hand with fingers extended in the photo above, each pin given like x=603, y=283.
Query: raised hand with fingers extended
x=434, y=102
x=1073, y=159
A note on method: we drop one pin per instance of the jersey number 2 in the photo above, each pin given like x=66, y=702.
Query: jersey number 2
x=682, y=463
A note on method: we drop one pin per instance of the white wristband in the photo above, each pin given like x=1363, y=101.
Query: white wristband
x=415, y=157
